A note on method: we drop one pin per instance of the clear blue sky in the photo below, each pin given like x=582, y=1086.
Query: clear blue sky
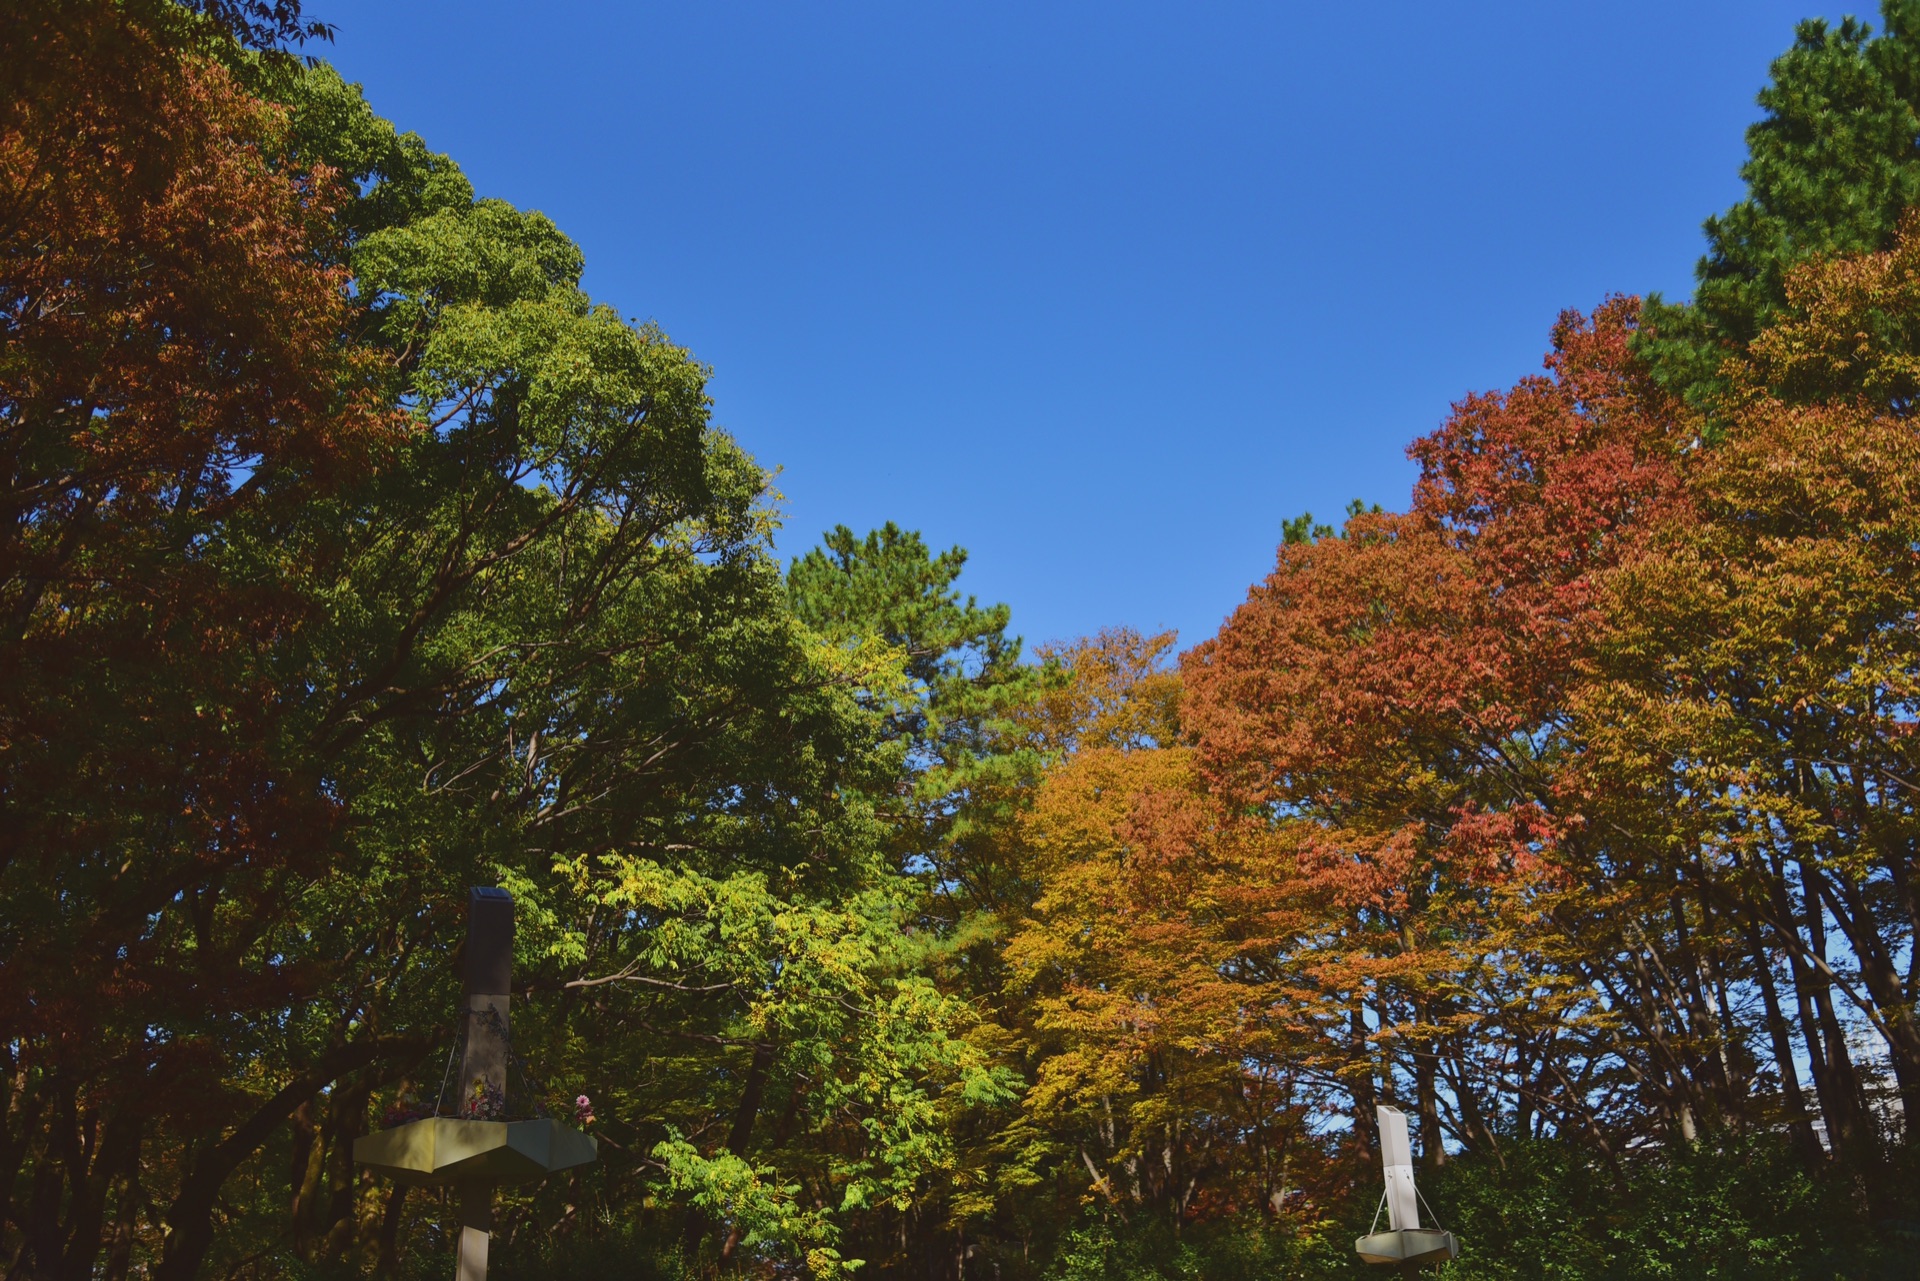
x=1102, y=292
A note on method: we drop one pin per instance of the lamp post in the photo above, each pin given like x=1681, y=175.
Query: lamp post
x=481, y=1146
x=1405, y=1243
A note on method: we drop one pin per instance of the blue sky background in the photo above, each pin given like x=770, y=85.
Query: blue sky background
x=1102, y=292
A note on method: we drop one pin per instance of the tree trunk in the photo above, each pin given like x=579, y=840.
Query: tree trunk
x=387, y=1243
x=1834, y=1081
x=1426, y=1094
x=1799, y=1123
x=1881, y=979
x=1365, y=1098
x=126, y=1218
x=91, y=1179
x=190, y=1215
x=738, y=1138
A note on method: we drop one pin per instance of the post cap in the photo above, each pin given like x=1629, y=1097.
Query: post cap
x=489, y=941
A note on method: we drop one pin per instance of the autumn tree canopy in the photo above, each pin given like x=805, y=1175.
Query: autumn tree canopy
x=354, y=555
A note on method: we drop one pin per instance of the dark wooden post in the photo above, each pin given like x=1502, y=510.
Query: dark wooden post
x=479, y=1144
x=476, y=1231
x=483, y=1065
x=489, y=984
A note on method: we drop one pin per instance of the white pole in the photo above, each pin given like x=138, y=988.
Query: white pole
x=1396, y=1153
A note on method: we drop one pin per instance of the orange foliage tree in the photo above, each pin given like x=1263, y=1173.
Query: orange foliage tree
x=1581, y=789
x=1749, y=711
x=173, y=392
x=1171, y=1065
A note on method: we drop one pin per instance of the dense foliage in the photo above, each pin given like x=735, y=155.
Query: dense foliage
x=355, y=556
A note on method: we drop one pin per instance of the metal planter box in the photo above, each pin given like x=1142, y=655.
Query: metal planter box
x=1408, y=1245
x=445, y=1149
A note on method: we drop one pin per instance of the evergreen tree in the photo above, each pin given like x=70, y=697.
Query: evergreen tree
x=1830, y=169
x=964, y=679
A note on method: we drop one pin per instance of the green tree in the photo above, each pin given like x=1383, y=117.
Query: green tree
x=962, y=664
x=952, y=719
x=462, y=586
x=966, y=762
x=567, y=662
x=1830, y=169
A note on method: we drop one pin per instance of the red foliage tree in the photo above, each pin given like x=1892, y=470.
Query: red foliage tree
x=1396, y=692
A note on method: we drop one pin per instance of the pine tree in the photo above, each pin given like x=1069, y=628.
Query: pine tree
x=1830, y=169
